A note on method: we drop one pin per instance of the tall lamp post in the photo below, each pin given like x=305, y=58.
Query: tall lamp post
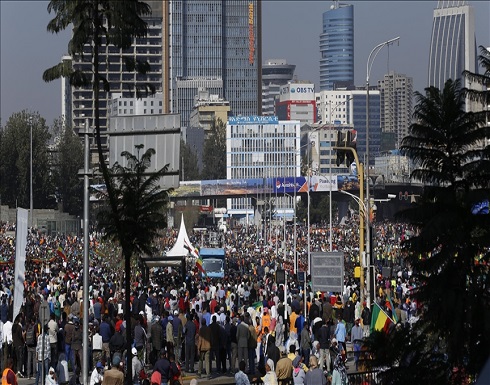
x=330, y=239
x=31, y=197
x=372, y=56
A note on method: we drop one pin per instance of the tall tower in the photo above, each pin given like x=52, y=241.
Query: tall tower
x=112, y=67
x=453, y=45
x=396, y=105
x=337, y=47
x=275, y=73
x=212, y=44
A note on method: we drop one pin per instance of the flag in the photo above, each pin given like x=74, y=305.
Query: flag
x=379, y=319
x=200, y=266
x=193, y=250
x=61, y=252
x=257, y=305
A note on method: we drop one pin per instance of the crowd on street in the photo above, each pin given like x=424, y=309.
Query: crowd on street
x=241, y=325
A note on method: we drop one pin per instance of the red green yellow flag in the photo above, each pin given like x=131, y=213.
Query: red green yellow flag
x=379, y=319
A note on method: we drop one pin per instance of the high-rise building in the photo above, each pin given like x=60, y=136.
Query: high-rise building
x=337, y=47
x=213, y=44
x=396, y=93
x=453, y=45
x=275, y=73
x=297, y=102
x=112, y=67
x=260, y=147
x=348, y=107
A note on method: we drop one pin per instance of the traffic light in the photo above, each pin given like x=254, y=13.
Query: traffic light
x=351, y=142
x=340, y=143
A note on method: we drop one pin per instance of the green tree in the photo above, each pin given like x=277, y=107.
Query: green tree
x=483, y=94
x=70, y=161
x=214, y=154
x=15, y=148
x=189, y=168
x=449, y=254
x=98, y=24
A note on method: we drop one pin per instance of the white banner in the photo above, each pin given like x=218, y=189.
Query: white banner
x=20, y=258
x=324, y=183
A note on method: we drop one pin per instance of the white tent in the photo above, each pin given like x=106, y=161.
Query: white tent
x=182, y=245
x=175, y=255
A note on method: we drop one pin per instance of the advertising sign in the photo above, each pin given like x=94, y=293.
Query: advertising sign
x=324, y=183
x=297, y=92
x=327, y=271
x=253, y=120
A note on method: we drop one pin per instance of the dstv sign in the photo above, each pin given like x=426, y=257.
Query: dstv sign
x=297, y=91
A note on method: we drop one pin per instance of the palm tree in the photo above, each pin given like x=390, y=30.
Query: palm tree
x=449, y=255
x=97, y=24
x=482, y=95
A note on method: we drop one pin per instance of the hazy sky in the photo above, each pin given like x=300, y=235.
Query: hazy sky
x=291, y=31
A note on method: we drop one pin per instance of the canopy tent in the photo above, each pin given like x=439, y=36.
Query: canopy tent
x=176, y=254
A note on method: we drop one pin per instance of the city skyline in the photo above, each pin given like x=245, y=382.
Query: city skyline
x=291, y=31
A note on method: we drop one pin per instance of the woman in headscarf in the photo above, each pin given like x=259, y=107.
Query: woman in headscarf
x=339, y=374
x=315, y=375
x=298, y=372
x=270, y=377
x=279, y=331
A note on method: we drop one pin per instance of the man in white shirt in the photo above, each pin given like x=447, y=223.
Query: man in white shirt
x=7, y=339
x=97, y=375
x=53, y=340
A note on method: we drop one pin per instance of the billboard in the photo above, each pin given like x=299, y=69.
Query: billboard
x=327, y=271
x=160, y=132
x=253, y=120
x=297, y=91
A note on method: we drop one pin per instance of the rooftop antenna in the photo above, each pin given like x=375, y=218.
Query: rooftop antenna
x=335, y=4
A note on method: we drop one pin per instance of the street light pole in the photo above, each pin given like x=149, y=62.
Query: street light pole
x=372, y=56
x=31, y=197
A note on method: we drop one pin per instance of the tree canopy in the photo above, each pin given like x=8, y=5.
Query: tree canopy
x=449, y=254
x=15, y=148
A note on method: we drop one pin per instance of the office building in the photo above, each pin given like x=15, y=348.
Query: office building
x=212, y=44
x=396, y=98
x=275, y=73
x=453, y=46
x=112, y=67
x=128, y=106
x=348, y=107
x=262, y=147
x=207, y=109
x=322, y=138
x=337, y=47
x=297, y=102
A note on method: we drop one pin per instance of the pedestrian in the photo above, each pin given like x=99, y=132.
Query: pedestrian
x=8, y=375
x=315, y=375
x=204, y=348
x=190, y=343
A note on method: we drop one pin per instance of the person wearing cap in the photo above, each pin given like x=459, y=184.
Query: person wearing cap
x=177, y=333
x=97, y=374
x=114, y=376
x=137, y=366
x=356, y=340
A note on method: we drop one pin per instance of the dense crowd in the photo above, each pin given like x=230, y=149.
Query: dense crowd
x=241, y=325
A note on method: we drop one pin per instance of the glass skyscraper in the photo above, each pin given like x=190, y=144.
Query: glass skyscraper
x=212, y=44
x=453, y=45
x=337, y=47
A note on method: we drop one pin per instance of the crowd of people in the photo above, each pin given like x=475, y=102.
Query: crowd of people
x=240, y=325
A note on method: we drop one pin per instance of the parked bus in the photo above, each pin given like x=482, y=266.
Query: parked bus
x=213, y=262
